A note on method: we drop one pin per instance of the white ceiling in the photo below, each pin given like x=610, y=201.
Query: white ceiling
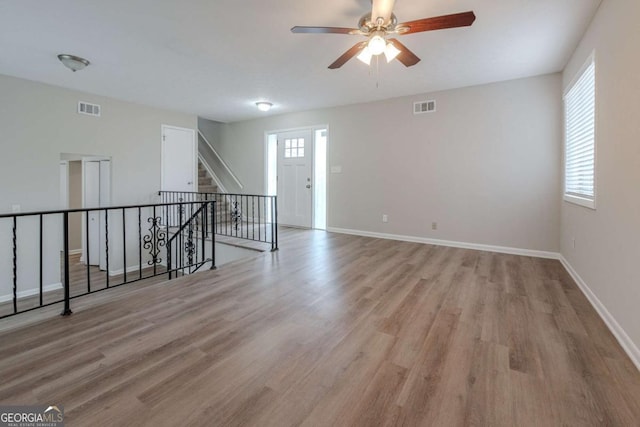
x=215, y=58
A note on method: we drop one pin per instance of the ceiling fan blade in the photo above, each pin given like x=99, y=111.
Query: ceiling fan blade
x=464, y=19
x=348, y=55
x=322, y=30
x=405, y=56
x=381, y=9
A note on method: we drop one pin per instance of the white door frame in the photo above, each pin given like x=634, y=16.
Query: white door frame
x=313, y=129
x=195, y=154
x=64, y=184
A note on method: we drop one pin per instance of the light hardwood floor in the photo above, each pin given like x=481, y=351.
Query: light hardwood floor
x=83, y=280
x=331, y=330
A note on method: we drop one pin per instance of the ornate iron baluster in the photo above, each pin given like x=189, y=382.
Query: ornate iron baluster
x=124, y=246
x=15, y=264
x=106, y=241
x=86, y=245
x=189, y=246
x=41, y=260
x=236, y=215
x=154, y=241
x=181, y=211
x=140, y=241
x=67, y=290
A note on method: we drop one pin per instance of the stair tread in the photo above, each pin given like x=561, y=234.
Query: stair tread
x=206, y=184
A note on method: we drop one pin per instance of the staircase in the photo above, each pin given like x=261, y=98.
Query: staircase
x=206, y=184
x=205, y=181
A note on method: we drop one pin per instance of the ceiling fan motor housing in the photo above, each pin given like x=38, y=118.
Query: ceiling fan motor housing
x=366, y=25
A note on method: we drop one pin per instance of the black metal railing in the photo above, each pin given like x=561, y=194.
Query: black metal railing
x=113, y=246
x=185, y=238
x=245, y=216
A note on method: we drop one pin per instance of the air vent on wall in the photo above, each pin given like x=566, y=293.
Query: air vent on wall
x=424, y=107
x=88, y=109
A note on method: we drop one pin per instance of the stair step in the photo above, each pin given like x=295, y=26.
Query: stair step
x=206, y=184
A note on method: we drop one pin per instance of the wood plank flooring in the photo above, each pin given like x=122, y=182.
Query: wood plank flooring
x=83, y=280
x=331, y=330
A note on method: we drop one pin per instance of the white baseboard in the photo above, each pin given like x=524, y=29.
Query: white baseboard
x=135, y=268
x=449, y=243
x=75, y=252
x=625, y=341
x=129, y=269
x=31, y=292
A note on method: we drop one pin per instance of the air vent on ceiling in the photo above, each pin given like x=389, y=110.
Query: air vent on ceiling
x=88, y=109
x=424, y=107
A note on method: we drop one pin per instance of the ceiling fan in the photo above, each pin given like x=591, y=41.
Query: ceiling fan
x=381, y=23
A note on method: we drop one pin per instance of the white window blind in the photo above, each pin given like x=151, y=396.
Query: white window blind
x=580, y=106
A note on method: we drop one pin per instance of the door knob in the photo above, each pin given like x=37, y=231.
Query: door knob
x=189, y=183
x=308, y=186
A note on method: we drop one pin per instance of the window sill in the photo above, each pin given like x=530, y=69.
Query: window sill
x=581, y=201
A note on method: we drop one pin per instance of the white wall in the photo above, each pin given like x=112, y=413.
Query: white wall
x=607, y=249
x=38, y=122
x=212, y=132
x=485, y=166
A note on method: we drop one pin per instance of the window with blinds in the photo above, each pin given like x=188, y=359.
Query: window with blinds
x=579, y=159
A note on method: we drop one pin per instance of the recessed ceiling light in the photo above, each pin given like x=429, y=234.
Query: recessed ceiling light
x=72, y=62
x=264, y=105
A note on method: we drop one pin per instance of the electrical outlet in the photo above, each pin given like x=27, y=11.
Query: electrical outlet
x=385, y=218
x=434, y=225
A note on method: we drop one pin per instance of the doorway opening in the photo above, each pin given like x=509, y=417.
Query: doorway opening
x=296, y=171
x=86, y=183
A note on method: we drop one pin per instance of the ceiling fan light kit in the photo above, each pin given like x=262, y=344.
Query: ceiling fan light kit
x=390, y=52
x=264, y=105
x=377, y=43
x=377, y=31
x=365, y=55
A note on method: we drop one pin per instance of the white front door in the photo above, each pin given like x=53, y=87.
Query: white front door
x=295, y=152
x=179, y=159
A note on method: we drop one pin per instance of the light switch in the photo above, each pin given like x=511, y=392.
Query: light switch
x=336, y=169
